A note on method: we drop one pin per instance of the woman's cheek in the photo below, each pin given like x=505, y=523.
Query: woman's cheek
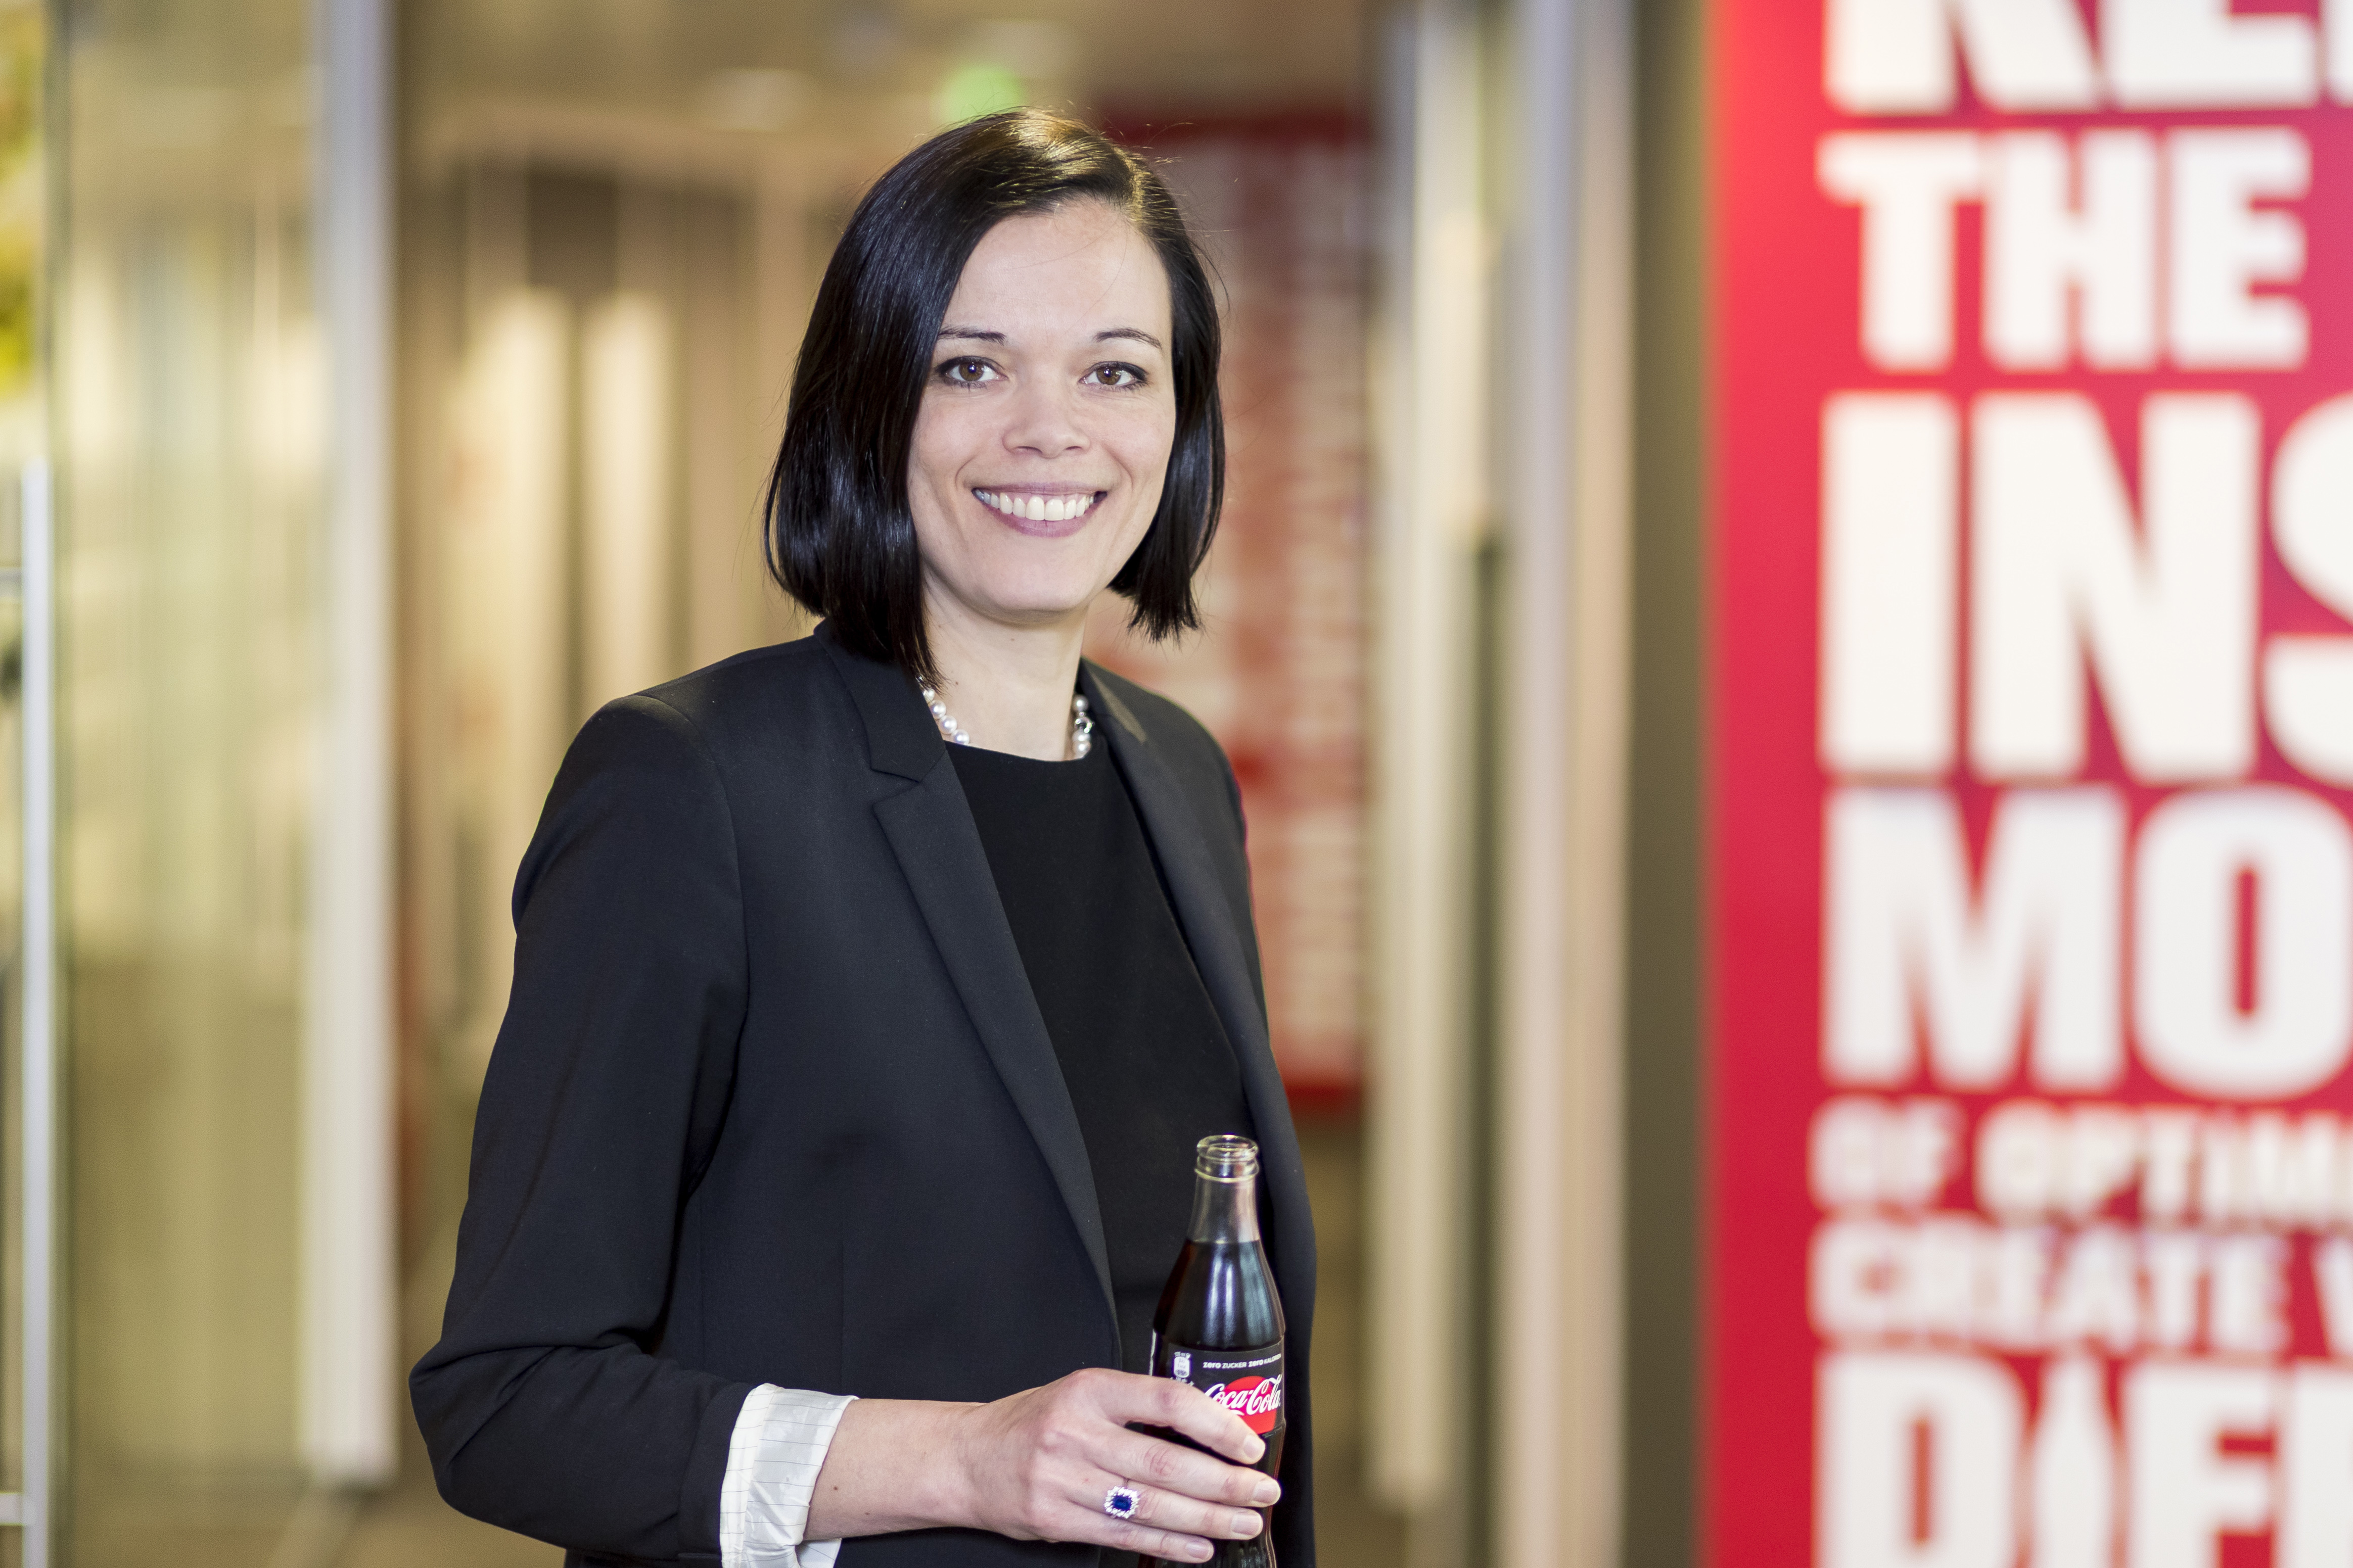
x=1145, y=442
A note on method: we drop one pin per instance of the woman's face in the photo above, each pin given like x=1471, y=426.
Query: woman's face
x=1044, y=433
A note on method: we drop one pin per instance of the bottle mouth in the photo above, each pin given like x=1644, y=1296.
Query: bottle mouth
x=1226, y=1157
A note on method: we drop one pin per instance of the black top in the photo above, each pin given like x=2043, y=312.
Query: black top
x=1149, y=1066
x=773, y=1103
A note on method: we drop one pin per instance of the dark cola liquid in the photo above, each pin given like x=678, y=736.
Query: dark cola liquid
x=1219, y=1327
x=1219, y=1296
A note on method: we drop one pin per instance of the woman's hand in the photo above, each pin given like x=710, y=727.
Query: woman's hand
x=1034, y=1465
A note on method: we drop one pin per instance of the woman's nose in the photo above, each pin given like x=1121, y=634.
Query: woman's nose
x=1044, y=421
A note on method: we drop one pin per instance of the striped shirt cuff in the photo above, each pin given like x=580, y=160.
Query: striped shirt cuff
x=772, y=1458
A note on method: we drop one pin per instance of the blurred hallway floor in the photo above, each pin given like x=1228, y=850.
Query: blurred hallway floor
x=410, y=1527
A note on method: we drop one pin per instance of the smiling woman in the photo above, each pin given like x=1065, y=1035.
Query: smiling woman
x=1018, y=310
x=840, y=1135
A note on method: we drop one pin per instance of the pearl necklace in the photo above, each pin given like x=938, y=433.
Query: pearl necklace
x=1082, y=728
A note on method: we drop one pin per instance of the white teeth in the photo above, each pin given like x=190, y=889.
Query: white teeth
x=1037, y=508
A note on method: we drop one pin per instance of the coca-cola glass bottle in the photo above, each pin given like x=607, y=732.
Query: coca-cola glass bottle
x=1219, y=1323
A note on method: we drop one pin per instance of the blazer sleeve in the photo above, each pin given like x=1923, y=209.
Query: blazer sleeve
x=547, y=1407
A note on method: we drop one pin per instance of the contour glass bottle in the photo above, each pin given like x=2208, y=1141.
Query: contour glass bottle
x=1219, y=1322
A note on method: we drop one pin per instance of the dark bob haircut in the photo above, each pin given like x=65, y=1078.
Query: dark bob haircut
x=840, y=538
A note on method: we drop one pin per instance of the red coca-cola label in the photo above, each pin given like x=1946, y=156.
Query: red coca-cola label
x=1257, y=1400
x=1247, y=1382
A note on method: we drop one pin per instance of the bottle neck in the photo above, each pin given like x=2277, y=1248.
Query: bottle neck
x=1224, y=1209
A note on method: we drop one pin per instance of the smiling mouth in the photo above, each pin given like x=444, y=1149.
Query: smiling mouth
x=1036, y=506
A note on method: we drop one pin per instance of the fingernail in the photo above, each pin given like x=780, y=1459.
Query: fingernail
x=1199, y=1551
x=1245, y=1525
x=1260, y=1452
x=1267, y=1495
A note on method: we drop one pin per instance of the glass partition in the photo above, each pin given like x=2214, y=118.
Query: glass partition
x=190, y=408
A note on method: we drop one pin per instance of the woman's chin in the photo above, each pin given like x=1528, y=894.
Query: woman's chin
x=1036, y=610
x=1050, y=614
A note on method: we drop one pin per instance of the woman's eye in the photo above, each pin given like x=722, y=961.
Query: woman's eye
x=968, y=372
x=1115, y=376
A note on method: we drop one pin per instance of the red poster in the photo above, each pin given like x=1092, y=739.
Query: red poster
x=2030, y=839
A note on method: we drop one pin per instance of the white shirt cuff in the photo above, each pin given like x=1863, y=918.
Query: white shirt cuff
x=772, y=1458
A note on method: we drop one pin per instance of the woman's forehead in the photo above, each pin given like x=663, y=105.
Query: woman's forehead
x=1082, y=269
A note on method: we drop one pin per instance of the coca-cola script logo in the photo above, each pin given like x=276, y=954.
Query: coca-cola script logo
x=1257, y=1400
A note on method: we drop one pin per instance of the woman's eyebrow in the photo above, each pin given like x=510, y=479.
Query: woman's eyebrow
x=983, y=335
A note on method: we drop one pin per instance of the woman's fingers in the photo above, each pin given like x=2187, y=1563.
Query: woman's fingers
x=1164, y=1524
x=1147, y=1542
x=1185, y=1409
x=1185, y=1514
x=1150, y=1461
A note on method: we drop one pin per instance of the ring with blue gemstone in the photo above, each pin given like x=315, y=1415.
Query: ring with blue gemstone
x=1120, y=1502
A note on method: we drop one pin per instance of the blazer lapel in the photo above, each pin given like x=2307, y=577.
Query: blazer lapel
x=1213, y=930
x=930, y=831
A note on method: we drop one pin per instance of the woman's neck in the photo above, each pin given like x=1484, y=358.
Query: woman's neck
x=1008, y=687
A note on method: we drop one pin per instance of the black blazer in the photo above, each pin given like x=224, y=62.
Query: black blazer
x=773, y=1102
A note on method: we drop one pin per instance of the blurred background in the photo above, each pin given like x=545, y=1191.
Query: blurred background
x=386, y=384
